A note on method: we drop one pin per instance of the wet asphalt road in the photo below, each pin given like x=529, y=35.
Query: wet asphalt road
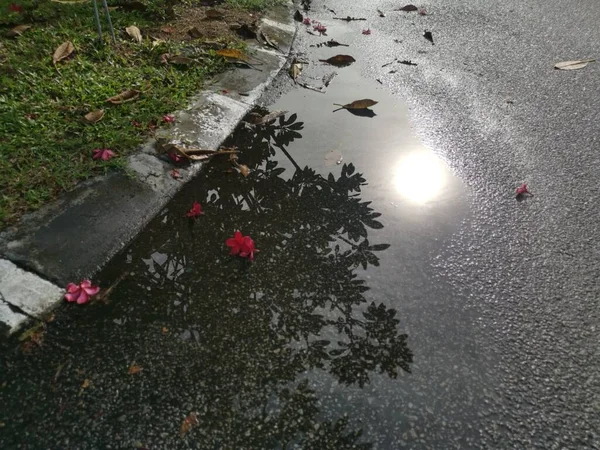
x=469, y=320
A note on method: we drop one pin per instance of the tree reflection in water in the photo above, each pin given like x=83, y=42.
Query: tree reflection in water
x=298, y=307
x=229, y=339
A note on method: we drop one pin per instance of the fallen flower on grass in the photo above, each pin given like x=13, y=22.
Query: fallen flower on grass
x=82, y=292
x=168, y=118
x=522, y=191
x=102, y=153
x=241, y=245
x=196, y=211
x=366, y=32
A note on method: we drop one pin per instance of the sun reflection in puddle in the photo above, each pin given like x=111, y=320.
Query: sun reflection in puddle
x=420, y=177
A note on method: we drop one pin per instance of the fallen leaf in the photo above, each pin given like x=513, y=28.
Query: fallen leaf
x=381, y=13
x=295, y=70
x=181, y=60
x=349, y=19
x=164, y=58
x=165, y=330
x=31, y=331
x=195, y=33
x=124, y=97
x=573, y=65
x=232, y=53
x=135, y=33
x=407, y=62
x=94, y=116
x=327, y=79
x=175, y=152
x=190, y=421
x=427, y=35
x=330, y=43
x=358, y=104
x=214, y=14
x=86, y=384
x=17, y=31
x=408, y=8
x=270, y=117
x=133, y=369
x=298, y=16
x=63, y=51
x=167, y=30
x=339, y=60
x=157, y=42
x=268, y=41
x=244, y=169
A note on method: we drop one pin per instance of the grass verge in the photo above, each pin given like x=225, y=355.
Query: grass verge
x=45, y=144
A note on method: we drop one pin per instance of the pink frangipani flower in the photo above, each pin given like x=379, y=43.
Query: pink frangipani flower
x=322, y=29
x=82, y=292
x=175, y=174
x=175, y=157
x=241, y=245
x=522, y=190
x=196, y=211
x=168, y=118
x=306, y=21
x=102, y=153
x=366, y=32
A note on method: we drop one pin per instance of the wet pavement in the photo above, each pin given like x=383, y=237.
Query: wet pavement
x=401, y=297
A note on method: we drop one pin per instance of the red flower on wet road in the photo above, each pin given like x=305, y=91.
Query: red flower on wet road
x=241, y=245
x=196, y=211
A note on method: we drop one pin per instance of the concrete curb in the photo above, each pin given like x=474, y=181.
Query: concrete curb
x=76, y=236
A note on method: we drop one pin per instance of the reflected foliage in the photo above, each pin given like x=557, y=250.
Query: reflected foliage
x=245, y=339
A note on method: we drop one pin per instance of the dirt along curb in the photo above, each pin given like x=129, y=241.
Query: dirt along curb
x=76, y=236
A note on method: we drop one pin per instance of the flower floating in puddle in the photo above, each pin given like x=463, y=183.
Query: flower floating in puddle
x=306, y=21
x=13, y=7
x=196, y=211
x=168, y=118
x=322, y=29
x=366, y=32
x=82, y=292
x=102, y=153
x=241, y=245
x=522, y=191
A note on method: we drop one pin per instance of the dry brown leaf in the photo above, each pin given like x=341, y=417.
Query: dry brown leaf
x=165, y=330
x=214, y=14
x=339, y=60
x=94, y=116
x=244, y=169
x=408, y=8
x=63, y=51
x=358, y=104
x=270, y=117
x=195, y=33
x=133, y=369
x=17, y=31
x=573, y=65
x=167, y=30
x=295, y=70
x=190, y=421
x=232, y=53
x=181, y=60
x=268, y=41
x=135, y=33
x=196, y=154
x=86, y=384
x=124, y=97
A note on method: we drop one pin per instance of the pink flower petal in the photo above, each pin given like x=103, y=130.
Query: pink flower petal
x=83, y=297
x=91, y=291
x=72, y=296
x=72, y=287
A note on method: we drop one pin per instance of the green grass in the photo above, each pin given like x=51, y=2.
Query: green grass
x=45, y=145
x=256, y=5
